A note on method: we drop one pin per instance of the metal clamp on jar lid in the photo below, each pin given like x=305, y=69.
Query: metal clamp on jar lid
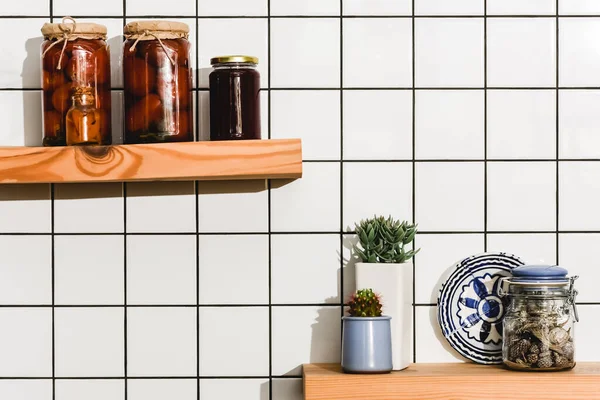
x=541, y=281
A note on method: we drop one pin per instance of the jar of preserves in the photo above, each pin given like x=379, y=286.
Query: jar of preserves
x=74, y=56
x=538, y=327
x=158, y=82
x=234, y=86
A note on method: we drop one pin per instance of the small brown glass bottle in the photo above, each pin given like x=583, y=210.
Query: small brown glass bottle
x=234, y=98
x=84, y=120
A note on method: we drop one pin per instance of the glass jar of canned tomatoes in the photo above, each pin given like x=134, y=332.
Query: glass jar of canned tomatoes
x=75, y=57
x=158, y=82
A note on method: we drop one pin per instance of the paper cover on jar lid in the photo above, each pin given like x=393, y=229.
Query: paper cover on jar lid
x=73, y=29
x=156, y=29
x=470, y=309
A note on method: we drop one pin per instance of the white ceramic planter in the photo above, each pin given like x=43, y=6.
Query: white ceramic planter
x=394, y=283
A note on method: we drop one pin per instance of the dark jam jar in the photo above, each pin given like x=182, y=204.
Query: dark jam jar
x=75, y=58
x=234, y=98
x=158, y=82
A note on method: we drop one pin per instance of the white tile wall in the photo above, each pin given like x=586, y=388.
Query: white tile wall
x=230, y=286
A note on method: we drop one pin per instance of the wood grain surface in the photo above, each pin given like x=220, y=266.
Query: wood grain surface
x=455, y=381
x=223, y=160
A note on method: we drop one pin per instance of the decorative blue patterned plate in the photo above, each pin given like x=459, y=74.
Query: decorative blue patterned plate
x=470, y=311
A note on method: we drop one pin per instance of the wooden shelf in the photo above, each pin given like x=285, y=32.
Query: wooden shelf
x=222, y=160
x=455, y=381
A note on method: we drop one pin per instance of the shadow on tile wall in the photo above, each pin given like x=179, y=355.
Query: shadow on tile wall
x=31, y=112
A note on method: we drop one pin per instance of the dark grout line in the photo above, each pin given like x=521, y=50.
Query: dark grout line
x=250, y=305
x=332, y=16
x=557, y=143
x=283, y=233
x=414, y=175
x=341, y=165
x=269, y=214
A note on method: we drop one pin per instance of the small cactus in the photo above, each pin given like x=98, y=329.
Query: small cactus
x=365, y=303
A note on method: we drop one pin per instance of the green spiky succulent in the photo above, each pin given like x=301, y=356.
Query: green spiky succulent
x=382, y=240
x=364, y=303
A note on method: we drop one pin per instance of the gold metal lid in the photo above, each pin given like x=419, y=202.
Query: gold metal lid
x=234, y=59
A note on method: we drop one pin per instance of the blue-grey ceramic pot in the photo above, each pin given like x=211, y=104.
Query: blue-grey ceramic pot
x=366, y=345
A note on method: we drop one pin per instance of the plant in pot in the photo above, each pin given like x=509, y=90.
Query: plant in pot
x=366, y=335
x=385, y=266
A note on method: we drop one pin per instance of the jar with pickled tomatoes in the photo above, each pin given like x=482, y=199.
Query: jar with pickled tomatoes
x=158, y=82
x=74, y=55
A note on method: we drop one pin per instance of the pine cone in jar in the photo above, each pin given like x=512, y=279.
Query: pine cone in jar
x=532, y=358
x=546, y=361
x=569, y=350
x=559, y=360
x=558, y=336
x=140, y=77
x=61, y=98
x=534, y=349
x=141, y=114
x=519, y=348
x=174, y=87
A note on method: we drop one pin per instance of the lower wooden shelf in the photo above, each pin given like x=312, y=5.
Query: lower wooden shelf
x=455, y=381
x=222, y=160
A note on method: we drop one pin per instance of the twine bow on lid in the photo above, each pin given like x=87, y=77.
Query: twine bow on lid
x=149, y=33
x=66, y=34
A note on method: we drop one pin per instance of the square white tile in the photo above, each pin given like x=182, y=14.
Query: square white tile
x=367, y=44
x=575, y=252
x=449, y=196
x=435, y=261
x=38, y=389
x=161, y=207
x=220, y=210
x=579, y=7
x=517, y=7
x=377, y=124
x=88, y=208
x=26, y=273
x=247, y=389
x=454, y=43
x=161, y=341
x=144, y=7
x=161, y=269
x=21, y=113
x=76, y=329
x=26, y=7
x=443, y=7
x=579, y=52
x=586, y=345
x=232, y=7
x=306, y=7
x=160, y=389
x=308, y=204
x=22, y=68
x=313, y=116
x=88, y=7
x=579, y=195
x=305, y=52
x=113, y=389
x=535, y=248
x=432, y=347
x=521, y=124
x=313, y=278
x=391, y=199
x=377, y=7
x=81, y=279
x=578, y=120
x=25, y=208
x=224, y=352
x=26, y=342
x=241, y=277
x=304, y=334
x=449, y=124
x=225, y=36
x=521, y=52
x=534, y=209
x=288, y=389
x=117, y=116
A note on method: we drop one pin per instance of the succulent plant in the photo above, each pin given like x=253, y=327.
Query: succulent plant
x=382, y=240
x=364, y=303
